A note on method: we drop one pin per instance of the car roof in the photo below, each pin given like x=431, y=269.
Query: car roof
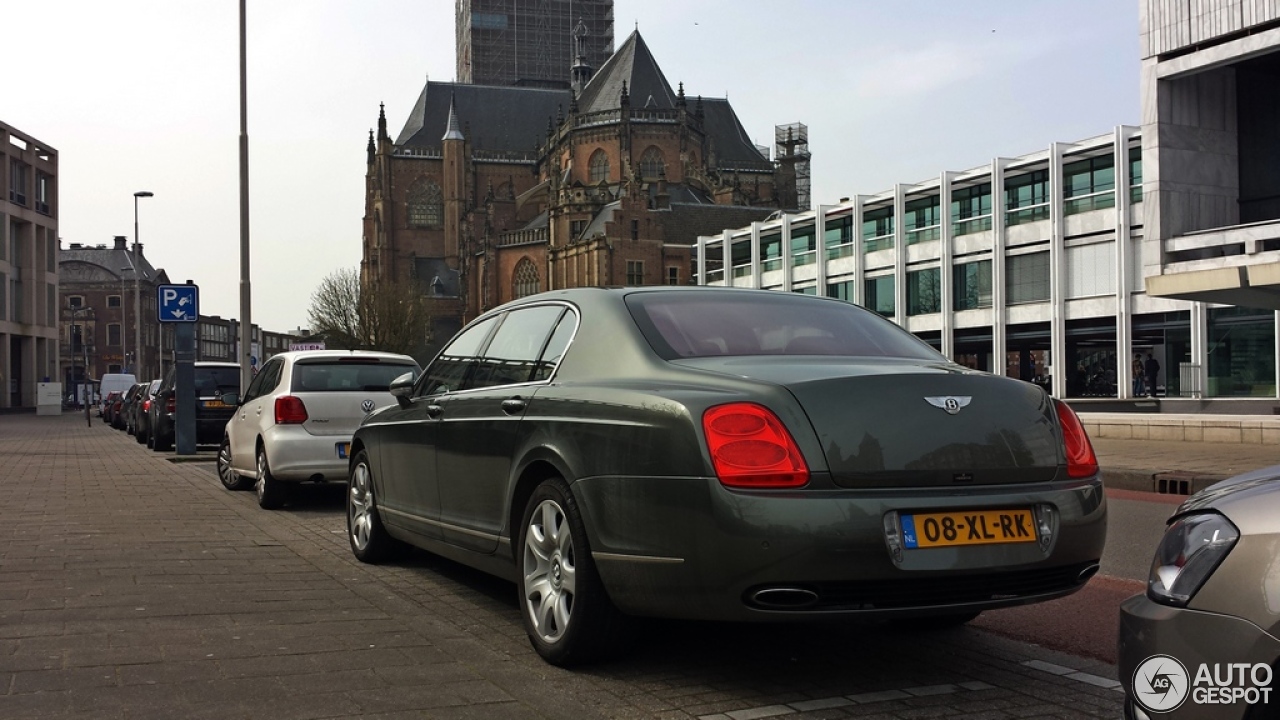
x=294, y=355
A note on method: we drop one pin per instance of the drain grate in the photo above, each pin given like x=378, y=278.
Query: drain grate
x=1173, y=485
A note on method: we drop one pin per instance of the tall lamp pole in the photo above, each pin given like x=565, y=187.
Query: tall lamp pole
x=246, y=322
x=124, y=318
x=137, y=292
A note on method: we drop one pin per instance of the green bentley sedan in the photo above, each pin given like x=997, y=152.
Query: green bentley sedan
x=724, y=454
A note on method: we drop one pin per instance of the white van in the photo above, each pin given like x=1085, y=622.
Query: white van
x=114, y=382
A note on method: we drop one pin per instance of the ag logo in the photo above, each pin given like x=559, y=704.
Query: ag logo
x=1160, y=683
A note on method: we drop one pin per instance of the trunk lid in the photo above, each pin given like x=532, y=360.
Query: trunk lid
x=899, y=423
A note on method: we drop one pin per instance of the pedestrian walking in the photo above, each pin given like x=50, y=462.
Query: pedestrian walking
x=1139, y=376
x=1153, y=374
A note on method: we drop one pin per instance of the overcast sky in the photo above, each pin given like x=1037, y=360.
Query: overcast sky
x=144, y=95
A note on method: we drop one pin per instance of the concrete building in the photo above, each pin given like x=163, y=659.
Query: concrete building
x=532, y=43
x=1161, y=240
x=1211, y=132
x=28, y=267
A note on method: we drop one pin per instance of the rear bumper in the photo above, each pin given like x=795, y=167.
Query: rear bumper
x=689, y=548
x=1193, y=638
x=295, y=454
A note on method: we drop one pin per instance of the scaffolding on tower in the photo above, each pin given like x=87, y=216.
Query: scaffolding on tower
x=792, y=143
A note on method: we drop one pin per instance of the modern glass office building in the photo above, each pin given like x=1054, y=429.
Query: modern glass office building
x=1031, y=266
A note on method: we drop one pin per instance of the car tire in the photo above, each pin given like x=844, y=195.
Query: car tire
x=140, y=434
x=567, y=613
x=231, y=479
x=271, y=492
x=162, y=443
x=369, y=540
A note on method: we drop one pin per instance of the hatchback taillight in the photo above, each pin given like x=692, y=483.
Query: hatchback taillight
x=146, y=405
x=1081, y=461
x=751, y=448
x=290, y=410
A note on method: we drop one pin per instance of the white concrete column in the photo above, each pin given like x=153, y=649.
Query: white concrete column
x=701, y=251
x=756, y=268
x=1199, y=346
x=1124, y=264
x=788, y=262
x=1057, y=274
x=859, y=295
x=820, y=227
x=999, y=323
x=900, y=255
x=945, y=270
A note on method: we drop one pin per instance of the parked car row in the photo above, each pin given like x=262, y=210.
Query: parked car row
x=147, y=410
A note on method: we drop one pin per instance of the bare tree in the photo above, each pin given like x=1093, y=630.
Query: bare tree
x=388, y=316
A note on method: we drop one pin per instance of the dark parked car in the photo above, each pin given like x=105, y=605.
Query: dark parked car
x=725, y=454
x=120, y=410
x=212, y=381
x=142, y=410
x=1203, y=640
x=108, y=404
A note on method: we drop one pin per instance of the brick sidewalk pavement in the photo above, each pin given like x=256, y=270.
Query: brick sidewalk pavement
x=135, y=587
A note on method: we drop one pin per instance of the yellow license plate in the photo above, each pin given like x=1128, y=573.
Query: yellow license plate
x=968, y=527
x=214, y=403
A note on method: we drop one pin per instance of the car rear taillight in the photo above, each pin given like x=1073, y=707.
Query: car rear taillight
x=171, y=405
x=1081, y=461
x=751, y=448
x=290, y=410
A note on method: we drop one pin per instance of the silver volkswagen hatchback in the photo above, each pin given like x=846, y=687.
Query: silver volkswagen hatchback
x=294, y=422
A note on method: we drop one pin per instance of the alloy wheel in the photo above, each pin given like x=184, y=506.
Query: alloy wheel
x=360, y=507
x=550, y=571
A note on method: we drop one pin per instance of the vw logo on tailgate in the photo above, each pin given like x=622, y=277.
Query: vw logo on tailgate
x=367, y=406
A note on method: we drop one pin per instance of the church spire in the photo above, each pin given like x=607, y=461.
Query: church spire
x=382, y=121
x=451, y=130
x=370, y=149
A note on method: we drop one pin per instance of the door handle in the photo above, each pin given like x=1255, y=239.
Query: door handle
x=513, y=406
x=434, y=411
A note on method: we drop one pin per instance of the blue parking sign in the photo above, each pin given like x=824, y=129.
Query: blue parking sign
x=178, y=303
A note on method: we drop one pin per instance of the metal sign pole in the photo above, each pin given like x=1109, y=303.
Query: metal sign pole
x=184, y=424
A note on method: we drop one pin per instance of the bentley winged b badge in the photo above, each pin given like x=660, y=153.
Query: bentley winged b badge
x=951, y=403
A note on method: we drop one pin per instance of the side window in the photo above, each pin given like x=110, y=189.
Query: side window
x=450, y=369
x=511, y=356
x=256, y=385
x=556, y=346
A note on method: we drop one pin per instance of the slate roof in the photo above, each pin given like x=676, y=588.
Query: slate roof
x=493, y=118
x=113, y=260
x=514, y=119
x=634, y=65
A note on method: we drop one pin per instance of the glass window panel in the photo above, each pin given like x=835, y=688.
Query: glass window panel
x=972, y=286
x=924, y=292
x=1242, y=357
x=879, y=295
x=1027, y=278
x=842, y=290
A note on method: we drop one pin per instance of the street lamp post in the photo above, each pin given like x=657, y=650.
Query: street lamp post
x=137, y=288
x=83, y=390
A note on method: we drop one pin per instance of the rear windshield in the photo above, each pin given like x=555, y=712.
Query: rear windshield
x=216, y=381
x=686, y=324
x=347, y=376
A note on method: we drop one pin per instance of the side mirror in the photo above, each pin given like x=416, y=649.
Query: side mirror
x=230, y=398
x=402, y=388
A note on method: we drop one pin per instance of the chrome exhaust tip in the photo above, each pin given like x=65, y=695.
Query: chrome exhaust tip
x=784, y=598
x=1087, y=573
